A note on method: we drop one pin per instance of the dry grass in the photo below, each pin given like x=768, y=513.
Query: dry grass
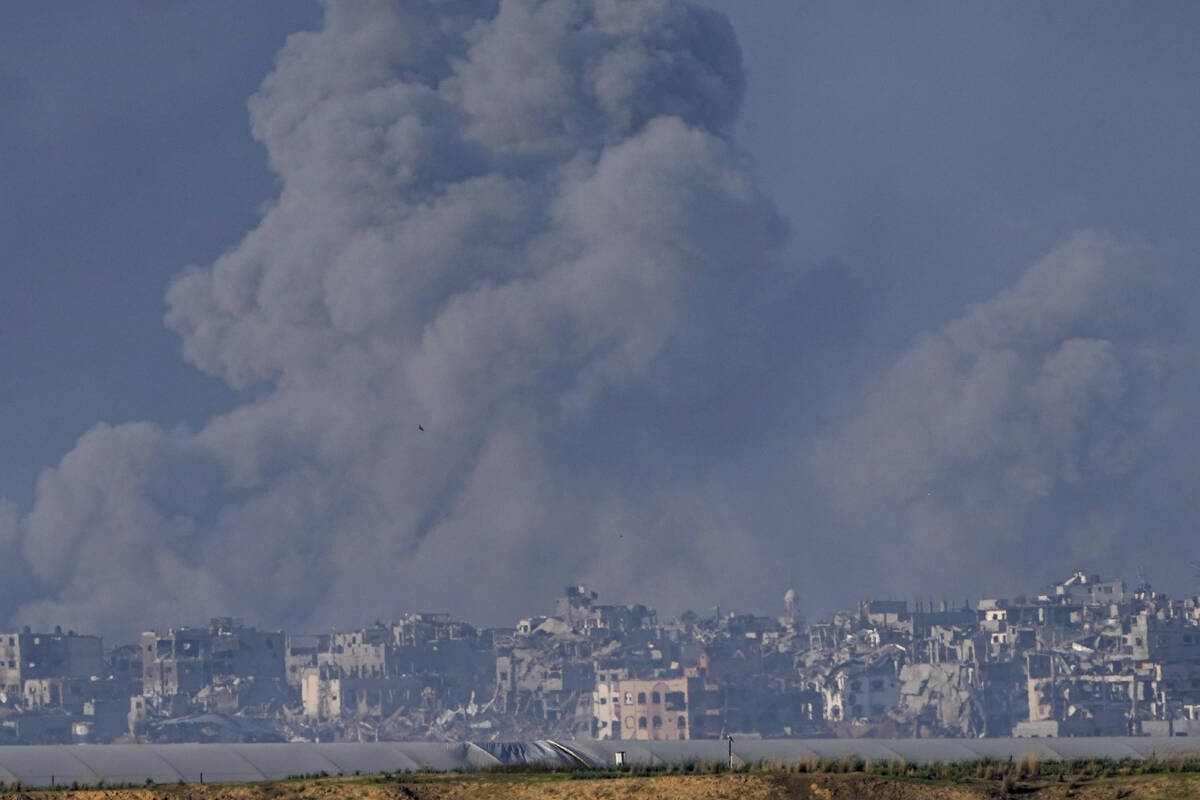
x=836, y=781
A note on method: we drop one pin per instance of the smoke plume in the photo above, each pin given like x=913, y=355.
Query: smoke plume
x=517, y=318
x=1003, y=439
x=496, y=223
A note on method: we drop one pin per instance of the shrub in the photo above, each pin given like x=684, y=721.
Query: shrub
x=1008, y=782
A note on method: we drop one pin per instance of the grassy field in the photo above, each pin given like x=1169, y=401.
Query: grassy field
x=817, y=779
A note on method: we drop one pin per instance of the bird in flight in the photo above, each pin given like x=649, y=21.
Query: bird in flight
x=421, y=428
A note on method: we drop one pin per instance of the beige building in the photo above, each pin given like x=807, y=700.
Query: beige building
x=652, y=709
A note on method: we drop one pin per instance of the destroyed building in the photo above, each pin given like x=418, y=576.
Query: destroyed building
x=28, y=656
x=223, y=667
x=48, y=681
x=395, y=677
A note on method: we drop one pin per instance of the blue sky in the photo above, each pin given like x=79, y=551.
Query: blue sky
x=933, y=164
x=127, y=156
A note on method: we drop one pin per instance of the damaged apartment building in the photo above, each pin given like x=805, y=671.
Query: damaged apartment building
x=57, y=687
x=389, y=679
x=224, y=668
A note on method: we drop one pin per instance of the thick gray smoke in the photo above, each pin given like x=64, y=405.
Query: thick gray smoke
x=524, y=227
x=496, y=221
x=1004, y=438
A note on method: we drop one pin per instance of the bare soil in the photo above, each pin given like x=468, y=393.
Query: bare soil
x=664, y=787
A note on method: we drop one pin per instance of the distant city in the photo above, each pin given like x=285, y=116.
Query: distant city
x=1085, y=657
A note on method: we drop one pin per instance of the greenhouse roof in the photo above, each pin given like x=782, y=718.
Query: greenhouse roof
x=41, y=765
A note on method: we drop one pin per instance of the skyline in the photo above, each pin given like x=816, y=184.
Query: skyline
x=861, y=298
x=930, y=602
